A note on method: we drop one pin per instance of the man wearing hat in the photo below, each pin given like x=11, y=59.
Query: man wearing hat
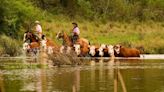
x=75, y=32
x=38, y=29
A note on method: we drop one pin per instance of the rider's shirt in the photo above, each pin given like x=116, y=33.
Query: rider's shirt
x=76, y=31
x=38, y=28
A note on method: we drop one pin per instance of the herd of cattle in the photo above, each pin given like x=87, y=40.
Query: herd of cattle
x=82, y=48
x=92, y=50
x=108, y=51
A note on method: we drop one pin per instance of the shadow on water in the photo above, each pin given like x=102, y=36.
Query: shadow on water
x=97, y=75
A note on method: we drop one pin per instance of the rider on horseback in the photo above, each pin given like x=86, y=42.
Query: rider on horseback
x=75, y=32
x=38, y=29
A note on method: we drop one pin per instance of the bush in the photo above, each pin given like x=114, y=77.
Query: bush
x=9, y=46
x=16, y=14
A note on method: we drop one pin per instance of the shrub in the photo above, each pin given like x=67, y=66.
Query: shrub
x=9, y=46
x=16, y=14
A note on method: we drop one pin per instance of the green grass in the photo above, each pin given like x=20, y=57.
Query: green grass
x=135, y=34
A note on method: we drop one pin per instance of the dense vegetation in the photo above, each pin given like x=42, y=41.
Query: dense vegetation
x=132, y=22
x=122, y=10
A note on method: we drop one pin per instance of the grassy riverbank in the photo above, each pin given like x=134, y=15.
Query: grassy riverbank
x=134, y=34
x=148, y=35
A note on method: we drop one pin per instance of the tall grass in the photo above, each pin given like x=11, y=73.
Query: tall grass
x=9, y=46
x=133, y=34
x=148, y=35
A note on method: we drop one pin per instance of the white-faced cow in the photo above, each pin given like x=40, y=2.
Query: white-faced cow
x=121, y=51
x=94, y=50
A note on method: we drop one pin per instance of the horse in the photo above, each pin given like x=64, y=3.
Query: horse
x=67, y=41
x=35, y=43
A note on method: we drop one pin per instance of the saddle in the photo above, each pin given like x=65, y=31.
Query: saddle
x=75, y=38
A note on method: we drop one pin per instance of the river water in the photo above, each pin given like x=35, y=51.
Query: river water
x=94, y=76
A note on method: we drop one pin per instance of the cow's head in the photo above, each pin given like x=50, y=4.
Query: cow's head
x=117, y=49
x=101, y=49
x=77, y=49
x=26, y=46
x=92, y=50
x=110, y=50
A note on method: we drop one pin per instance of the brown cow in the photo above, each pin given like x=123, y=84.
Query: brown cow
x=94, y=50
x=121, y=51
x=106, y=51
x=81, y=51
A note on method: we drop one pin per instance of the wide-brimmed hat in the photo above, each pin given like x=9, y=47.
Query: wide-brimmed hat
x=74, y=23
x=37, y=22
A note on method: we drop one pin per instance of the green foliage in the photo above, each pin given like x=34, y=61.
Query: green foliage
x=16, y=14
x=116, y=10
x=9, y=46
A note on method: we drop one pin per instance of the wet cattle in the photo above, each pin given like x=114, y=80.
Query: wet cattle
x=49, y=46
x=77, y=49
x=103, y=51
x=121, y=51
x=94, y=50
x=65, y=49
x=81, y=51
x=110, y=50
x=106, y=51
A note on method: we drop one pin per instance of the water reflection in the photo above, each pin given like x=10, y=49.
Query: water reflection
x=2, y=89
x=114, y=74
x=100, y=76
x=76, y=84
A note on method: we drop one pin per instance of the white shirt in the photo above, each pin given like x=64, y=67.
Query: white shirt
x=76, y=30
x=38, y=28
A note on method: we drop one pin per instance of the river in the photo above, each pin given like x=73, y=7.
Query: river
x=95, y=76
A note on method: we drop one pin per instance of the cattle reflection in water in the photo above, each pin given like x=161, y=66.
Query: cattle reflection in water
x=100, y=76
x=114, y=74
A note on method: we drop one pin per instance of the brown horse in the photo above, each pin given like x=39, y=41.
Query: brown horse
x=35, y=42
x=68, y=41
